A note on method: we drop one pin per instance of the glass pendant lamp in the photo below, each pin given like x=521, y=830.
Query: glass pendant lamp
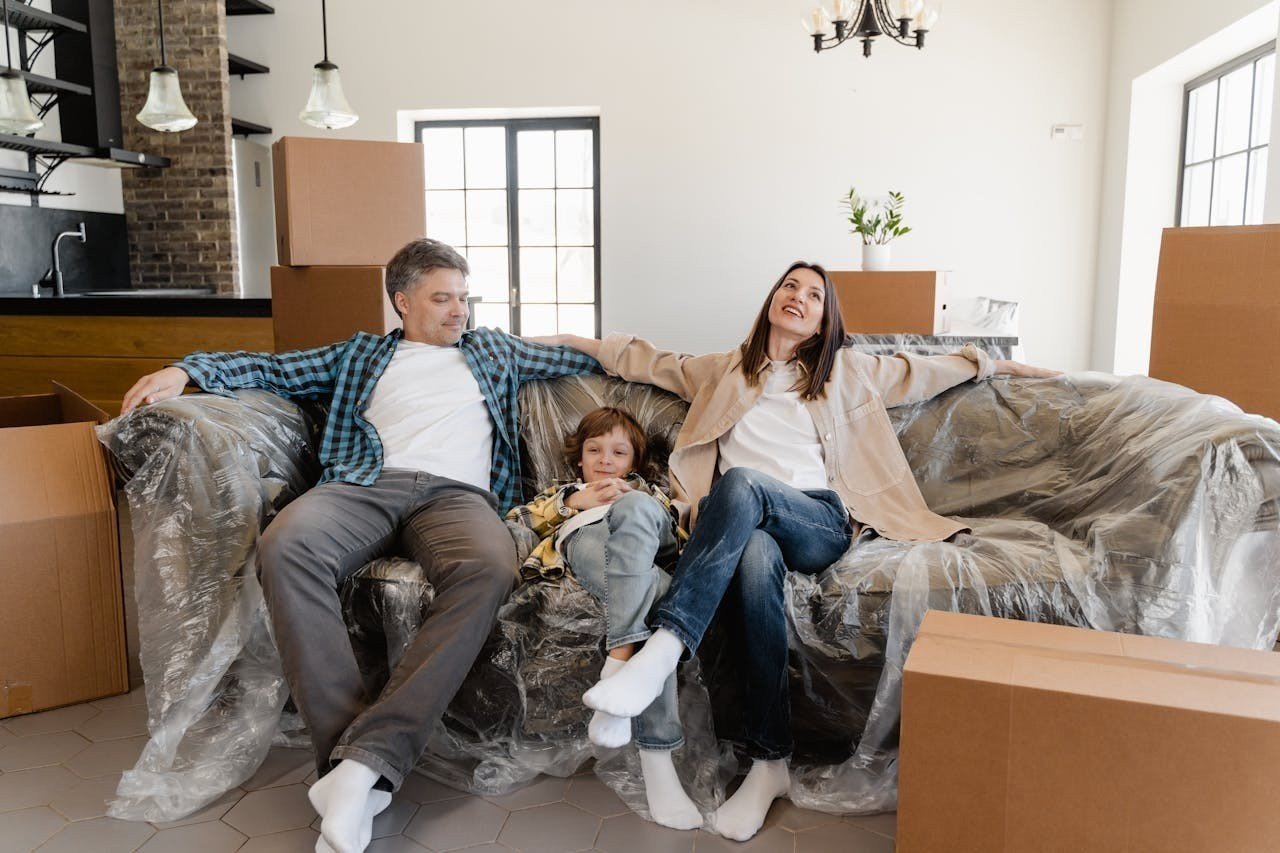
x=327, y=106
x=165, y=110
x=16, y=115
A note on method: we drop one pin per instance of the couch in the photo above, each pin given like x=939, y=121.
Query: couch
x=1117, y=504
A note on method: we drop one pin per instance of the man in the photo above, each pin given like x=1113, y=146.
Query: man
x=419, y=451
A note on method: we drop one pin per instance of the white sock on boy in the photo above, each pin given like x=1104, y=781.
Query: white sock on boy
x=669, y=805
x=640, y=680
x=742, y=815
x=605, y=729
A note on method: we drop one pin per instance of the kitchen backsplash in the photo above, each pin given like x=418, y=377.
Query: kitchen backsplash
x=26, y=233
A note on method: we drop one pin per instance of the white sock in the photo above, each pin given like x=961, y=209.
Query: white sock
x=640, y=680
x=669, y=805
x=347, y=804
x=606, y=729
x=743, y=814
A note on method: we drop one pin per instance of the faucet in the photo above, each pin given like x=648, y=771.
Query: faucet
x=53, y=276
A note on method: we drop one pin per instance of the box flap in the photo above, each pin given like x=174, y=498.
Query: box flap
x=76, y=408
x=29, y=410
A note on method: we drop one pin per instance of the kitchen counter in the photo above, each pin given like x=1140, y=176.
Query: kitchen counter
x=213, y=305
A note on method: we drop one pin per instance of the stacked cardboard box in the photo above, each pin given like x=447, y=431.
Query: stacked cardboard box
x=893, y=302
x=1020, y=736
x=343, y=208
x=62, y=609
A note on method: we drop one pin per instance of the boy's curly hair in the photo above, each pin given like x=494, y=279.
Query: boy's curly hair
x=601, y=422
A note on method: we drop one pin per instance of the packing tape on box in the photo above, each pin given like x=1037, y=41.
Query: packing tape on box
x=1104, y=659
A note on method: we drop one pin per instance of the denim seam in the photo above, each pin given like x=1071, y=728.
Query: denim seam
x=635, y=637
x=667, y=619
x=373, y=761
x=665, y=746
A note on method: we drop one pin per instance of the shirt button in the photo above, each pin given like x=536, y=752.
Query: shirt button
x=827, y=436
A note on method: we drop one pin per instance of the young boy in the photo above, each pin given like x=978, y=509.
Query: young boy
x=611, y=527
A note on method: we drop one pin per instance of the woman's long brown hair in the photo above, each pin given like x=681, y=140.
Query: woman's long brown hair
x=816, y=356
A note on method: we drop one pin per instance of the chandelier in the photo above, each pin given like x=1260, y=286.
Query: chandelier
x=904, y=21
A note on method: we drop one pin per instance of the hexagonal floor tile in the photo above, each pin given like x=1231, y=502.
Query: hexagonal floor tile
x=26, y=788
x=841, y=836
x=589, y=793
x=395, y=818
x=109, y=756
x=420, y=789
x=271, y=810
x=88, y=799
x=101, y=835
x=41, y=750
x=293, y=841
x=546, y=789
x=136, y=696
x=281, y=767
x=29, y=828
x=116, y=723
x=775, y=840
x=630, y=833
x=881, y=824
x=787, y=815
x=456, y=823
x=553, y=828
x=59, y=720
x=211, y=837
x=398, y=844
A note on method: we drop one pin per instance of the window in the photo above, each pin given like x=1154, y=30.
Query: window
x=521, y=199
x=1226, y=129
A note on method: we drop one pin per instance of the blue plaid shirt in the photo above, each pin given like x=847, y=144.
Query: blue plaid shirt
x=344, y=374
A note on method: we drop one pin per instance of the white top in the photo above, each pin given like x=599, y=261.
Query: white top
x=777, y=435
x=430, y=415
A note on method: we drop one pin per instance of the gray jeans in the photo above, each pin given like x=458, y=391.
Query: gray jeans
x=452, y=530
x=614, y=559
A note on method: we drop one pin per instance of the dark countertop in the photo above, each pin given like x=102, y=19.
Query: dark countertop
x=213, y=305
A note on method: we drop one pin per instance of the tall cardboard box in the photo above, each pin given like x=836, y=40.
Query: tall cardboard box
x=893, y=302
x=1018, y=736
x=61, y=611
x=314, y=306
x=1216, y=325
x=346, y=201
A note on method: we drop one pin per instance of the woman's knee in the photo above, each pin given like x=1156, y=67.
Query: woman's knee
x=741, y=484
x=761, y=563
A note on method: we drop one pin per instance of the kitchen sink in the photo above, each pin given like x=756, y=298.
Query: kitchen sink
x=156, y=291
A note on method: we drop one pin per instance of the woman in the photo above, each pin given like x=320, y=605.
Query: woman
x=787, y=449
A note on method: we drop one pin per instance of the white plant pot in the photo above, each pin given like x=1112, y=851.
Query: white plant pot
x=875, y=257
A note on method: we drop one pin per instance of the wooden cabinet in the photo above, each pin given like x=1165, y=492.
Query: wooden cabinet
x=101, y=357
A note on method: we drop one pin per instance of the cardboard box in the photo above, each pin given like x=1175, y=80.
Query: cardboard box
x=314, y=306
x=1019, y=736
x=62, y=610
x=1217, y=311
x=893, y=302
x=341, y=201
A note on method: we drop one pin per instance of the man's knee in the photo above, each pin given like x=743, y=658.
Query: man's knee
x=491, y=566
x=279, y=548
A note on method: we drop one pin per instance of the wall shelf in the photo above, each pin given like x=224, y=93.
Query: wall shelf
x=238, y=65
x=39, y=85
x=249, y=7
x=240, y=127
x=23, y=18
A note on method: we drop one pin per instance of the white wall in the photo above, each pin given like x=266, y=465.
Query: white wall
x=726, y=142
x=1157, y=46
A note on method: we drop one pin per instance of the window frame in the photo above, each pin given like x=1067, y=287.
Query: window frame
x=1218, y=73
x=513, y=127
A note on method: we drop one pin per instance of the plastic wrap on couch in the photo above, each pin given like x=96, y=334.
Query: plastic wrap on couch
x=1128, y=504
x=204, y=475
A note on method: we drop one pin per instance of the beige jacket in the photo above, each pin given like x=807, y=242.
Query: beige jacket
x=865, y=463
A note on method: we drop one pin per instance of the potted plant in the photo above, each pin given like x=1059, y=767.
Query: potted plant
x=876, y=222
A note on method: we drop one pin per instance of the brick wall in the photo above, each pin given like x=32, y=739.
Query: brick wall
x=181, y=220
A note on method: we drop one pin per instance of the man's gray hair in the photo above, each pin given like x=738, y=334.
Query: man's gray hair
x=417, y=259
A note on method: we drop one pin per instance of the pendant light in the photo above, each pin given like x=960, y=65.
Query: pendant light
x=165, y=110
x=327, y=106
x=16, y=115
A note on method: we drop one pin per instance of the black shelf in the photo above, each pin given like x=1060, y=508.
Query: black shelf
x=249, y=7
x=39, y=147
x=241, y=66
x=23, y=18
x=118, y=158
x=240, y=127
x=38, y=85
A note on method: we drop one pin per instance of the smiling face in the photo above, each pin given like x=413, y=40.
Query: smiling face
x=435, y=309
x=797, y=305
x=608, y=455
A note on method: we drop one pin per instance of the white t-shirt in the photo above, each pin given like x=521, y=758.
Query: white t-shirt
x=431, y=416
x=777, y=435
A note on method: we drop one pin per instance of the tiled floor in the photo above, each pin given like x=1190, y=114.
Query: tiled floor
x=58, y=768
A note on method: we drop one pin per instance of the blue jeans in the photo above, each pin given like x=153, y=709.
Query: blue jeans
x=752, y=530
x=614, y=559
